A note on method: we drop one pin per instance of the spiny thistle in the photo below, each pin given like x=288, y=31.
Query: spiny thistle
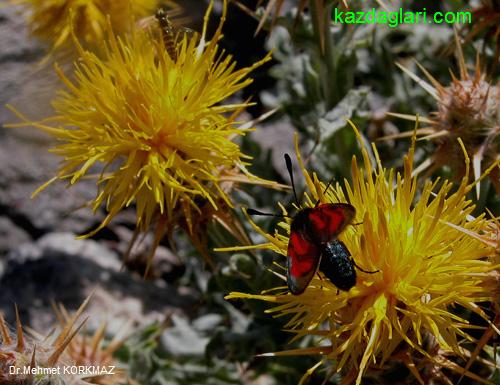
x=23, y=351
x=69, y=347
x=155, y=128
x=469, y=108
x=90, y=350
x=54, y=21
x=405, y=311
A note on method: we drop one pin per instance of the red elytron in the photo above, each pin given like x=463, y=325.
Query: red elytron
x=311, y=232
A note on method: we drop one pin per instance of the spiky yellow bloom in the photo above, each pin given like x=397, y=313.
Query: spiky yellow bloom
x=53, y=21
x=153, y=126
x=425, y=267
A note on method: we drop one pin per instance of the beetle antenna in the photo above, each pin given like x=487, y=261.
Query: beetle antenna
x=326, y=189
x=288, y=163
x=256, y=212
x=363, y=270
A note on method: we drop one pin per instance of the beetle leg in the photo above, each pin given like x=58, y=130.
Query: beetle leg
x=363, y=270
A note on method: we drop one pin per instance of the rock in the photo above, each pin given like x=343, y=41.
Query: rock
x=11, y=235
x=16, y=44
x=26, y=165
x=23, y=81
x=207, y=323
x=182, y=339
x=278, y=137
x=59, y=268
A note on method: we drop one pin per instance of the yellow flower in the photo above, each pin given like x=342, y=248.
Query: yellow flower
x=54, y=20
x=154, y=127
x=425, y=267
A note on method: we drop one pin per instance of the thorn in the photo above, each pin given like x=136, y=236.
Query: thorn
x=64, y=312
x=118, y=339
x=159, y=233
x=57, y=312
x=71, y=323
x=33, y=358
x=96, y=340
x=5, y=332
x=131, y=244
x=83, y=348
x=29, y=379
x=476, y=168
x=60, y=349
x=20, y=336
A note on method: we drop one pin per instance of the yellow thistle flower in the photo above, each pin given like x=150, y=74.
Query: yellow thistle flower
x=154, y=127
x=424, y=269
x=53, y=21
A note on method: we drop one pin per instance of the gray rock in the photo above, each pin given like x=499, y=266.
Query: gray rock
x=14, y=36
x=24, y=158
x=182, y=339
x=26, y=165
x=21, y=78
x=11, y=235
x=278, y=137
x=207, y=323
x=59, y=268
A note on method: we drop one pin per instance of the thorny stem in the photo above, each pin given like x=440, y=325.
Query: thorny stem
x=331, y=59
x=317, y=21
x=328, y=59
